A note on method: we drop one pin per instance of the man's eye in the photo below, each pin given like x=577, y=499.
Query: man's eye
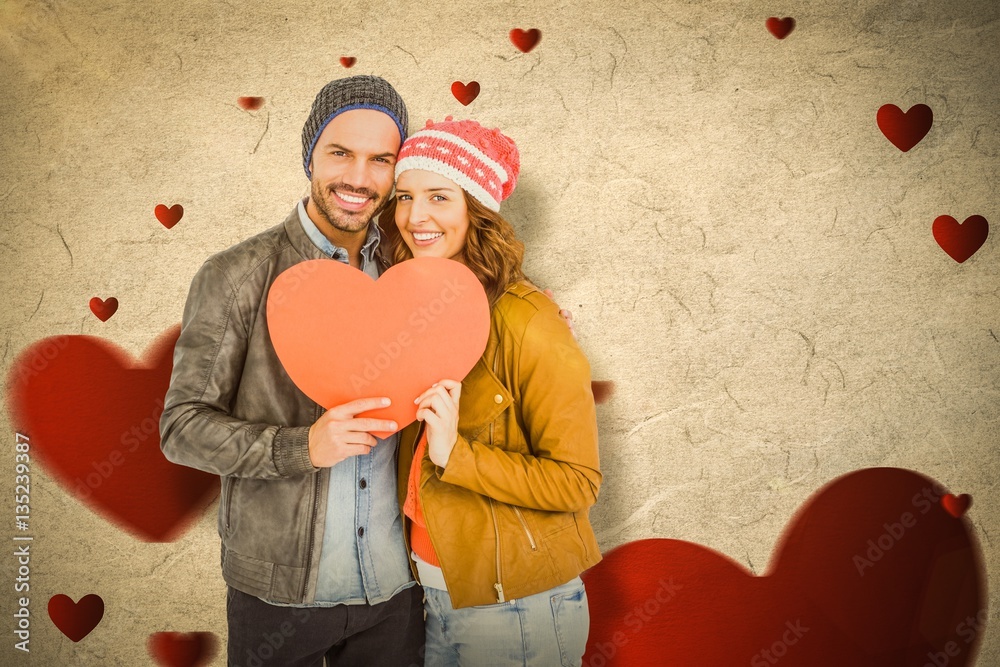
x=338, y=153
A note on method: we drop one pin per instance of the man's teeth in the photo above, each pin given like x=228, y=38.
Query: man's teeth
x=427, y=236
x=352, y=200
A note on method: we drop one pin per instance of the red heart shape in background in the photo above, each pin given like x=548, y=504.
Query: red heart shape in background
x=602, y=390
x=182, y=649
x=248, y=104
x=348, y=61
x=956, y=505
x=76, y=619
x=960, y=241
x=92, y=414
x=525, y=40
x=465, y=93
x=870, y=572
x=104, y=309
x=780, y=27
x=168, y=217
x=904, y=130
x=424, y=320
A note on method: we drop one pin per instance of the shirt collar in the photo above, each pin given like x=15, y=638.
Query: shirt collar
x=372, y=240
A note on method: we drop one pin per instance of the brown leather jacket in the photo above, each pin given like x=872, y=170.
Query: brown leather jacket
x=508, y=515
x=232, y=410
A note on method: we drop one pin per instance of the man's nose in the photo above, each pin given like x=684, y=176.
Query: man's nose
x=358, y=175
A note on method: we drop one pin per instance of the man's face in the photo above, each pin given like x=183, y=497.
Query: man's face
x=352, y=167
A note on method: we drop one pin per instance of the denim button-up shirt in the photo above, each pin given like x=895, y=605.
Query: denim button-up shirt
x=363, y=556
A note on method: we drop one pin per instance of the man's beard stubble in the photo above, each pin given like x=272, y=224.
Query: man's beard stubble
x=340, y=219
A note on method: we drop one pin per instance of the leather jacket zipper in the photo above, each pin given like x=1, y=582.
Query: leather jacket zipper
x=493, y=512
x=312, y=527
x=531, y=540
x=229, y=501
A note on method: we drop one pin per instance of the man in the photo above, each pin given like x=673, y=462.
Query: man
x=312, y=544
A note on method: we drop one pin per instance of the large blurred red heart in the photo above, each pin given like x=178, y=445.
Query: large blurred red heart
x=92, y=415
x=871, y=572
x=525, y=40
x=76, y=619
x=465, y=93
x=182, y=649
x=904, y=130
x=960, y=240
x=341, y=335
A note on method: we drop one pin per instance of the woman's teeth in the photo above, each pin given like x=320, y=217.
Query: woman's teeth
x=425, y=236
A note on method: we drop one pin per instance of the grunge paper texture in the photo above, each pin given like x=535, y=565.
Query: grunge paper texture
x=745, y=255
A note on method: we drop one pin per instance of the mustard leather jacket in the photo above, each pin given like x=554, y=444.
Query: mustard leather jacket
x=508, y=514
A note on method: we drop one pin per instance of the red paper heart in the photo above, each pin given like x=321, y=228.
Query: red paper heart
x=76, y=619
x=525, y=40
x=424, y=320
x=248, y=104
x=956, y=505
x=465, y=93
x=168, y=217
x=960, y=241
x=182, y=649
x=780, y=27
x=103, y=309
x=904, y=130
x=348, y=61
x=869, y=573
x=92, y=415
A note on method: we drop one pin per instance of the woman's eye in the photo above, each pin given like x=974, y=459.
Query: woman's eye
x=439, y=198
x=402, y=197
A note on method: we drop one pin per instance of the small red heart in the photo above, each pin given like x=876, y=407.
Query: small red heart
x=168, y=217
x=961, y=241
x=602, y=390
x=348, y=61
x=956, y=505
x=76, y=619
x=780, y=27
x=103, y=309
x=182, y=649
x=904, y=130
x=465, y=93
x=525, y=40
x=93, y=413
x=250, y=103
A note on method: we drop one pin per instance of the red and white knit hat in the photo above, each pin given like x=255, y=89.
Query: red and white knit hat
x=483, y=162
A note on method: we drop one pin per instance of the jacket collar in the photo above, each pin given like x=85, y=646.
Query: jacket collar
x=309, y=250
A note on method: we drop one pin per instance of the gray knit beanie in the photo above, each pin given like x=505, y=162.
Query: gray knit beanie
x=353, y=92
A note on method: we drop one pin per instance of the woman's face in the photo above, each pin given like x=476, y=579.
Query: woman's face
x=431, y=214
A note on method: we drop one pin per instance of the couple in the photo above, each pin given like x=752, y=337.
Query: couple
x=327, y=530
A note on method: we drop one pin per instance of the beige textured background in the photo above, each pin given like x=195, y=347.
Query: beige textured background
x=746, y=256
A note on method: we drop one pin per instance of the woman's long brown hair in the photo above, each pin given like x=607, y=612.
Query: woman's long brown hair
x=492, y=250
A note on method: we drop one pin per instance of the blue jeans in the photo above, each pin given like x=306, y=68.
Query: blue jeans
x=546, y=629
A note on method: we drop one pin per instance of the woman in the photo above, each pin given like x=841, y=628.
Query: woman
x=505, y=463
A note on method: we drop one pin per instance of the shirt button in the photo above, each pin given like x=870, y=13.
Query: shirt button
x=498, y=398
x=362, y=483
x=361, y=532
